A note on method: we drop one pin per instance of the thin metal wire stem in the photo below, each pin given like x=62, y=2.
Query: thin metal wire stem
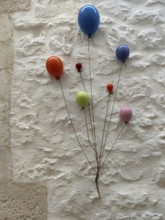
x=113, y=145
x=86, y=122
x=91, y=90
x=85, y=114
x=97, y=181
x=103, y=134
x=83, y=82
x=111, y=111
x=74, y=127
x=90, y=118
x=93, y=126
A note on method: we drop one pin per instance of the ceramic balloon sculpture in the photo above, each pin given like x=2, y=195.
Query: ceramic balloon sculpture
x=110, y=88
x=54, y=66
x=82, y=99
x=126, y=114
x=88, y=19
x=78, y=67
x=122, y=52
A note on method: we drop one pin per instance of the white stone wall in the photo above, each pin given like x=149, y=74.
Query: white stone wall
x=44, y=147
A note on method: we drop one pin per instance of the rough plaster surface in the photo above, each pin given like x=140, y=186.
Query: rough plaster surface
x=17, y=201
x=22, y=201
x=44, y=147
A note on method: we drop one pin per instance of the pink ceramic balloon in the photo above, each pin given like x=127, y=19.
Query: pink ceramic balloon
x=126, y=114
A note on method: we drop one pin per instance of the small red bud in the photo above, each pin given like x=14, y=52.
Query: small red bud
x=79, y=67
x=110, y=88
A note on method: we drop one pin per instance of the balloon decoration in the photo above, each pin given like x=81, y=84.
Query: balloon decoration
x=110, y=88
x=126, y=114
x=88, y=19
x=79, y=67
x=82, y=99
x=122, y=52
x=54, y=67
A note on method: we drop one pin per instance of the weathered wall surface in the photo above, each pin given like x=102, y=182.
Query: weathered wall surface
x=44, y=147
x=18, y=201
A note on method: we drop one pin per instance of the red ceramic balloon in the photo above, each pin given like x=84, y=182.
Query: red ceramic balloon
x=54, y=66
x=110, y=88
x=79, y=67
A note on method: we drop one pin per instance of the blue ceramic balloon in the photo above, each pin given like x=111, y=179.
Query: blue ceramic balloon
x=122, y=53
x=88, y=19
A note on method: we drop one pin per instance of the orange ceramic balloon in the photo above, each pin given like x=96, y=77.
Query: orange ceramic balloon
x=54, y=66
x=110, y=88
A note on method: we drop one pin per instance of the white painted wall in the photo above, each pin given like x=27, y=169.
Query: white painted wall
x=44, y=147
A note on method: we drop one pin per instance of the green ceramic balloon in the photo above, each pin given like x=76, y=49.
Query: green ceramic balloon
x=82, y=99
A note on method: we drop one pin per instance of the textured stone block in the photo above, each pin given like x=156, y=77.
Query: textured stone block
x=4, y=84
x=14, y=5
x=22, y=201
x=5, y=30
x=6, y=54
x=5, y=164
x=5, y=153
x=160, y=176
x=4, y=124
x=4, y=107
